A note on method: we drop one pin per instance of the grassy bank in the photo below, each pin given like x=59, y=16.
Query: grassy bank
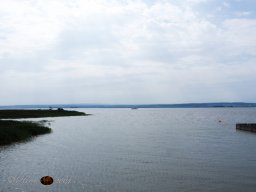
x=13, y=131
x=20, y=113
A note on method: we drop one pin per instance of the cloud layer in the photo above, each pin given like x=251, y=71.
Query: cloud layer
x=78, y=51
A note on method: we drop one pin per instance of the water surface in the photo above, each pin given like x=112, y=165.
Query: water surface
x=140, y=150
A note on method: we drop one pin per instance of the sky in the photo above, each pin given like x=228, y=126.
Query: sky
x=127, y=51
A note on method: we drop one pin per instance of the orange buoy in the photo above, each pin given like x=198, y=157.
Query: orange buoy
x=46, y=180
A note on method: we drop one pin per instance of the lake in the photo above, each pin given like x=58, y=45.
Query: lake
x=124, y=150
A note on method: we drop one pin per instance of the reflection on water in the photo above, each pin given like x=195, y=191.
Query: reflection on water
x=137, y=150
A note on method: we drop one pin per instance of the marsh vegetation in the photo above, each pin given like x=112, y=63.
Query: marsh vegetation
x=13, y=131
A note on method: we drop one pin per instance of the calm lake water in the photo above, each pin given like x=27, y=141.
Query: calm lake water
x=124, y=150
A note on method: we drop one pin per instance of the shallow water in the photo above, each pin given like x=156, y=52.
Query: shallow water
x=115, y=150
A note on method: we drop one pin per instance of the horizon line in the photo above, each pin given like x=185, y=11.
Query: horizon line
x=126, y=104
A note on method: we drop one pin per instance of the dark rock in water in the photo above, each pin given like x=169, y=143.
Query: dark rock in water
x=246, y=126
x=46, y=180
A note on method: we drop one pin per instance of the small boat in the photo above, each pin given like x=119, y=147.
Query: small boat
x=134, y=108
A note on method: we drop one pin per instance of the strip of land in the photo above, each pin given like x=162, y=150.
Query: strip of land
x=14, y=131
x=30, y=113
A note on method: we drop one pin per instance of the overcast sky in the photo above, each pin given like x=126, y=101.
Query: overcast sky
x=127, y=51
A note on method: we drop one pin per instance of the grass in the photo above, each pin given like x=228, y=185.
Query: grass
x=13, y=131
x=24, y=113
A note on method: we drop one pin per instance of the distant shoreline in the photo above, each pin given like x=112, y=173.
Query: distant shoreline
x=184, y=105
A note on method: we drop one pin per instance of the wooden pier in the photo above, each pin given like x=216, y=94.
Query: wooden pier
x=246, y=127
